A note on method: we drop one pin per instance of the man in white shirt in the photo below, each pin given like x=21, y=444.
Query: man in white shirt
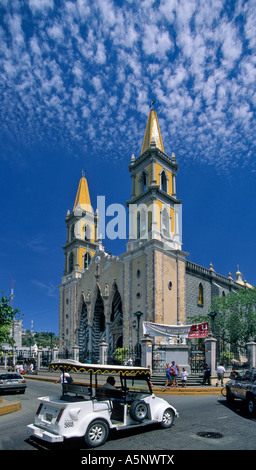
x=110, y=384
x=220, y=374
x=64, y=378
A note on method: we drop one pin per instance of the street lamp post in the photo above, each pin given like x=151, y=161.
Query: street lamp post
x=212, y=315
x=138, y=356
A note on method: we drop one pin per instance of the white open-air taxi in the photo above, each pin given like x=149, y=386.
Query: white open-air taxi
x=92, y=409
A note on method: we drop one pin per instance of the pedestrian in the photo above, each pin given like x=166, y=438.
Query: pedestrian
x=168, y=376
x=207, y=375
x=175, y=374
x=183, y=377
x=65, y=378
x=233, y=374
x=220, y=374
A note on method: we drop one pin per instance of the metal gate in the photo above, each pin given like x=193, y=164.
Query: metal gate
x=197, y=362
x=158, y=358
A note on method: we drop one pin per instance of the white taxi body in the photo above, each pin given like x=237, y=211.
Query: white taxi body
x=90, y=411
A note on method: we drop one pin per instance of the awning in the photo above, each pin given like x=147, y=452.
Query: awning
x=68, y=365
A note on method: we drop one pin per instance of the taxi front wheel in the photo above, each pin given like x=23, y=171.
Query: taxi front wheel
x=168, y=418
x=97, y=433
x=251, y=405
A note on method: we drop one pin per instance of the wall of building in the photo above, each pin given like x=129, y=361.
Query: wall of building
x=213, y=284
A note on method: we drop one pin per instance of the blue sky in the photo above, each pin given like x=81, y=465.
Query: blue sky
x=76, y=81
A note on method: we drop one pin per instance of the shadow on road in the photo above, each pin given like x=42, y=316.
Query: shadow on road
x=239, y=407
x=78, y=443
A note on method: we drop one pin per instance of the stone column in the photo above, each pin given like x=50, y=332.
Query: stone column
x=210, y=353
x=39, y=358
x=146, y=351
x=103, y=346
x=251, y=353
x=54, y=353
x=76, y=352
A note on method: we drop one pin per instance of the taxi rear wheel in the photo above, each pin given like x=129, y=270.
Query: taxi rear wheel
x=138, y=410
x=96, y=433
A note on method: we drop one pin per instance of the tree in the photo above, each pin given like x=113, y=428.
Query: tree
x=43, y=339
x=7, y=317
x=120, y=355
x=235, y=319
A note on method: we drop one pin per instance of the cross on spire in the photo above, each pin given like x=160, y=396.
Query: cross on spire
x=152, y=104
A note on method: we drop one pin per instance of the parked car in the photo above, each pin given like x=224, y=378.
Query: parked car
x=12, y=382
x=244, y=388
x=91, y=410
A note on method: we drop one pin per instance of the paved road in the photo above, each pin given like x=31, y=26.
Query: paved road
x=198, y=414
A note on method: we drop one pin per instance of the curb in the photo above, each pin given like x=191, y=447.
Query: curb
x=6, y=407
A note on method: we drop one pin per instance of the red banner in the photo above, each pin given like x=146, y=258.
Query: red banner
x=199, y=330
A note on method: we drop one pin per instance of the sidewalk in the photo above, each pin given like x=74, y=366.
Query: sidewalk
x=51, y=376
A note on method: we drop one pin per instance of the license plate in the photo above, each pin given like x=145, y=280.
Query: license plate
x=48, y=417
x=38, y=432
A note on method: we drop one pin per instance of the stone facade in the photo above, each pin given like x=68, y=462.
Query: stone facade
x=100, y=293
x=211, y=285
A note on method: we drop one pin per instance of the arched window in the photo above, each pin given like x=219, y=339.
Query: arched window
x=143, y=182
x=163, y=181
x=71, y=262
x=72, y=232
x=138, y=225
x=200, y=294
x=87, y=232
x=165, y=223
x=87, y=260
x=142, y=223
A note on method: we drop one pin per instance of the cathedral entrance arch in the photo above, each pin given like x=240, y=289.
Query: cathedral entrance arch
x=98, y=327
x=83, y=335
x=116, y=321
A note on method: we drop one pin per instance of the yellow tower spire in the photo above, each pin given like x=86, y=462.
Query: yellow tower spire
x=83, y=196
x=152, y=132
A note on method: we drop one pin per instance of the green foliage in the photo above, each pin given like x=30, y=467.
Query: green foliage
x=121, y=355
x=45, y=339
x=226, y=357
x=235, y=322
x=7, y=317
x=236, y=318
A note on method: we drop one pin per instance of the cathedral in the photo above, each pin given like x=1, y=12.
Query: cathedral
x=101, y=295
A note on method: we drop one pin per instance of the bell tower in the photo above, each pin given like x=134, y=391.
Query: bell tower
x=154, y=210
x=79, y=249
x=82, y=226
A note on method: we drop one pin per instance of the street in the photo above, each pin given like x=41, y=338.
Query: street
x=205, y=423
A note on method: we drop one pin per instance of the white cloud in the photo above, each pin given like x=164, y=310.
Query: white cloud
x=231, y=45
x=50, y=288
x=156, y=41
x=55, y=32
x=40, y=5
x=77, y=67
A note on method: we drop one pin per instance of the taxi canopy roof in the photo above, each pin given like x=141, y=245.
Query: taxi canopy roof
x=68, y=365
